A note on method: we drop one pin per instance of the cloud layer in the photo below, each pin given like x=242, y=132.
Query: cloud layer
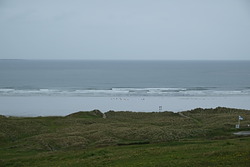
x=138, y=29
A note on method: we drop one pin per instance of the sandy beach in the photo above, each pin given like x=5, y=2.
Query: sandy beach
x=51, y=106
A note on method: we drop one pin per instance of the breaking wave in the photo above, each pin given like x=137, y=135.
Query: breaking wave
x=196, y=91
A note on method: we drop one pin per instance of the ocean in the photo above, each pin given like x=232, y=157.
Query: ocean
x=59, y=87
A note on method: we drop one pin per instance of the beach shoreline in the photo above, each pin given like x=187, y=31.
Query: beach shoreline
x=61, y=106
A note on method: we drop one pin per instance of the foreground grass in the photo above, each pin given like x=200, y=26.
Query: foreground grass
x=228, y=152
x=200, y=137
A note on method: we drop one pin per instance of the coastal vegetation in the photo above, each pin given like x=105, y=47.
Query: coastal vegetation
x=199, y=137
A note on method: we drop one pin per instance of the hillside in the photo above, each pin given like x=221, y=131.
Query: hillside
x=23, y=136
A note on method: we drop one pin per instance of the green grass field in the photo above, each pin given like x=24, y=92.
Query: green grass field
x=200, y=137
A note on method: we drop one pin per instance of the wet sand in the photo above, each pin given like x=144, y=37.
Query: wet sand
x=56, y=105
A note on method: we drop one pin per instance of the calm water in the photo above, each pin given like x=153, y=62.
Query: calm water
x=123, y=78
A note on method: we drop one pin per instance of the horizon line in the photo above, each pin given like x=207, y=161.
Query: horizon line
x=127, y=59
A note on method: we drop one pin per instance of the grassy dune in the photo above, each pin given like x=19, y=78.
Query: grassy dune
x=200, y=137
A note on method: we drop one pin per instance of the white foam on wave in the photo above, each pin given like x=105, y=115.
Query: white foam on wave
x=4, y=91
x=123, y=92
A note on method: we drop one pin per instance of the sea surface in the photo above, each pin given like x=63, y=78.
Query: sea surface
x=61, y=80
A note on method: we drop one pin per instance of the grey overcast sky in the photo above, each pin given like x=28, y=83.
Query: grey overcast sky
x=125, y=29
